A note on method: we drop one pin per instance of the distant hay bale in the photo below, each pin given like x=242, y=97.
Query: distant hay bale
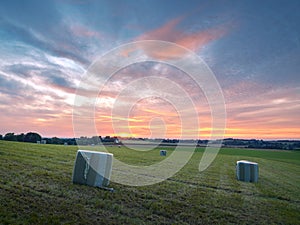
x=163, y=152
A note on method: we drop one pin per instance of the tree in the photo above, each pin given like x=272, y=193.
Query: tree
x=32, y=137
x=1, y=137
x=56, y=141
x=95, y=140
x=10, y=137
x=20, y=137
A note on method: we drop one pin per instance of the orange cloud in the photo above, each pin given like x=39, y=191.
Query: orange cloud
x=263, y=132
x=197, y=40
x=169, y=32
x=193, y=41
x=269, y=114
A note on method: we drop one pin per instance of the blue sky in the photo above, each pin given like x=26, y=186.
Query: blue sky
x=253, y=48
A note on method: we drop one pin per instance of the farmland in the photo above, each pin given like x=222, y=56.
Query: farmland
x=36, y=188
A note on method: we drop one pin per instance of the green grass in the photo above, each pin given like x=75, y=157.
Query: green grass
x=36, y=188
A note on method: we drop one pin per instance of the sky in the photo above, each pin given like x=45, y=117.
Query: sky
x=251, y=47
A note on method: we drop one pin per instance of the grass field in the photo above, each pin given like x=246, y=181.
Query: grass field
x=36, y=188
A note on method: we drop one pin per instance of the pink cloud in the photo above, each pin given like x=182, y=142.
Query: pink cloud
x=193, y=41
x=258, y=111
x=166, y=32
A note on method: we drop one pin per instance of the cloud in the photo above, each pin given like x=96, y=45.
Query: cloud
x=269, y=113
x=166, y=32
x=197, y=40
x=191, y=40
x=47, y=46
x=10, y=87
x=57, y=80
x=136, y=83
x=56, y=45
x=23, y=108
x=22, y=70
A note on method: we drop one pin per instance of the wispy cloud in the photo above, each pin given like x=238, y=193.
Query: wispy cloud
x=193, y=40
x=271, y=113
x=171, y=32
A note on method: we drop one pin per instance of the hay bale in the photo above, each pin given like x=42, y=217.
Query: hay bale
x=92, y=168
x=247, y=171
x=163, y=152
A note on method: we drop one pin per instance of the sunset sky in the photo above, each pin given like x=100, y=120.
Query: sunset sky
x=252, y=48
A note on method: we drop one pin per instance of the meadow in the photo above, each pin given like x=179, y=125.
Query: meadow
x=36, y=188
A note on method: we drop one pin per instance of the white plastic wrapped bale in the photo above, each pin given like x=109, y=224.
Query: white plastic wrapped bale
x=92, y=168
x=163, y=152
x=247, y=171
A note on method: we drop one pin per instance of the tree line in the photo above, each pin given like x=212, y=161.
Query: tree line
x=34, y=137
x=108, y=140
x=29, y=137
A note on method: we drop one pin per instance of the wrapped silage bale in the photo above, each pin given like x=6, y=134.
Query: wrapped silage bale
x=163, y=153
x=92, y=168
x=247, y=171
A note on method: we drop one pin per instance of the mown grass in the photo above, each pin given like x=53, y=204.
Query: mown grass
x=36, y=188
